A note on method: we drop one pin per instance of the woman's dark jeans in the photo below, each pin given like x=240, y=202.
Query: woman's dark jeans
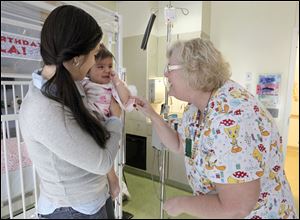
x=106, y=212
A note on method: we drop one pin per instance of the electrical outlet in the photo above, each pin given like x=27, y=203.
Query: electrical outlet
x=248, y=86
x=248, y=76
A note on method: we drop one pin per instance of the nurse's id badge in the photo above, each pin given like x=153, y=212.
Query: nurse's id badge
x=188, y=147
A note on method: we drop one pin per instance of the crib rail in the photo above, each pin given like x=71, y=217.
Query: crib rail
x=12, y=94
x=4, y=121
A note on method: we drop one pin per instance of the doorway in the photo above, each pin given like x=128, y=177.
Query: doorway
x=292, y=150
x=293, y=134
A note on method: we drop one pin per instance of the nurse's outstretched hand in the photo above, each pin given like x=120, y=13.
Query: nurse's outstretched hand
x=144, y=106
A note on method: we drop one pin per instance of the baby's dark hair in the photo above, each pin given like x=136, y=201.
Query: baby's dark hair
x=103, y=53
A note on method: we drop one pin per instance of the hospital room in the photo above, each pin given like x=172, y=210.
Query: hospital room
x=149, y=109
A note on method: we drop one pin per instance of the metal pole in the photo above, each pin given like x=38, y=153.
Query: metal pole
x=163, y=150
x=120, y=155
x=162, y=181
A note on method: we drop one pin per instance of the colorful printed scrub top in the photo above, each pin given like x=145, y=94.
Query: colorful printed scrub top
x=238, y=143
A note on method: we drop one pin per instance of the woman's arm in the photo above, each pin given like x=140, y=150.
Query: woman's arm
x=231, y=201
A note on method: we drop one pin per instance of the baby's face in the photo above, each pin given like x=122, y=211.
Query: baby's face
x=101, y=71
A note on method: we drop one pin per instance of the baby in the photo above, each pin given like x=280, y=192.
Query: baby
x=101, y=86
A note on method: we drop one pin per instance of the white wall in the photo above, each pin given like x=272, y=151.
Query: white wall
x=136, y=14
x=255, y=37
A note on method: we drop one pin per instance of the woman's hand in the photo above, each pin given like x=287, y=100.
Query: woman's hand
x=144, y=106
x=115, y=109
x=114, y=187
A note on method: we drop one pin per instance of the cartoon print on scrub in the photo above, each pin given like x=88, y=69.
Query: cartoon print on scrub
x=233, y=133
x=247, y=150
x=230, y=128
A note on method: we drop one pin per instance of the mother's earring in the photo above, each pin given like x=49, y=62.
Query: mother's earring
x=75, y=62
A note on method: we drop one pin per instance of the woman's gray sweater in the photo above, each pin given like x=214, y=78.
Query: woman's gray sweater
x=71, y=166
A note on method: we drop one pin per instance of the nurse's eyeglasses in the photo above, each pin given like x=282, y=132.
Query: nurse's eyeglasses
x=170, y=68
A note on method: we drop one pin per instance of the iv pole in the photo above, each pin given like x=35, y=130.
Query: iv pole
x=165, y=111
x=170, y=14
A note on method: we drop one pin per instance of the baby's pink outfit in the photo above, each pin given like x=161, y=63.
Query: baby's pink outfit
x=99, y=97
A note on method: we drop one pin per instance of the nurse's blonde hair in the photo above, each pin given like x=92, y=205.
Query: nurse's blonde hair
x=203, y=65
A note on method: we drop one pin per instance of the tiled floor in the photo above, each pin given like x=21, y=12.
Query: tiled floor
x=144, y=202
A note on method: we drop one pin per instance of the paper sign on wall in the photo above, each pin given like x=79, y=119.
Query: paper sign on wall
x=268, y=89
x=20, y=47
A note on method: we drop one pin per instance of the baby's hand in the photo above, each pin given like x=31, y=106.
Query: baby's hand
x=114, y=76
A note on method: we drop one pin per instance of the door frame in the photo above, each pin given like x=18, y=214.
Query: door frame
x=291, y=79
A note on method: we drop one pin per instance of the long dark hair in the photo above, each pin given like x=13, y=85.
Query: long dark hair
x=68, y=32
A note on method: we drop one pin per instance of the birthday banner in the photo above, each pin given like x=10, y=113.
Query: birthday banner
x=20, y=47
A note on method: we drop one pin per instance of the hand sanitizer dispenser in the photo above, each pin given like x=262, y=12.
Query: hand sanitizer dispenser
x=156, y=90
